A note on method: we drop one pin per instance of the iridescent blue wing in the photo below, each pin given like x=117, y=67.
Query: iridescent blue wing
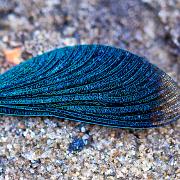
x=95, y=84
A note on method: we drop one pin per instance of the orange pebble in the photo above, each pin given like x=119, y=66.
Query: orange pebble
x=13, y=55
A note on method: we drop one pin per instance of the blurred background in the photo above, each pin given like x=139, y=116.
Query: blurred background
x=36, y=148
x=150, y=28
